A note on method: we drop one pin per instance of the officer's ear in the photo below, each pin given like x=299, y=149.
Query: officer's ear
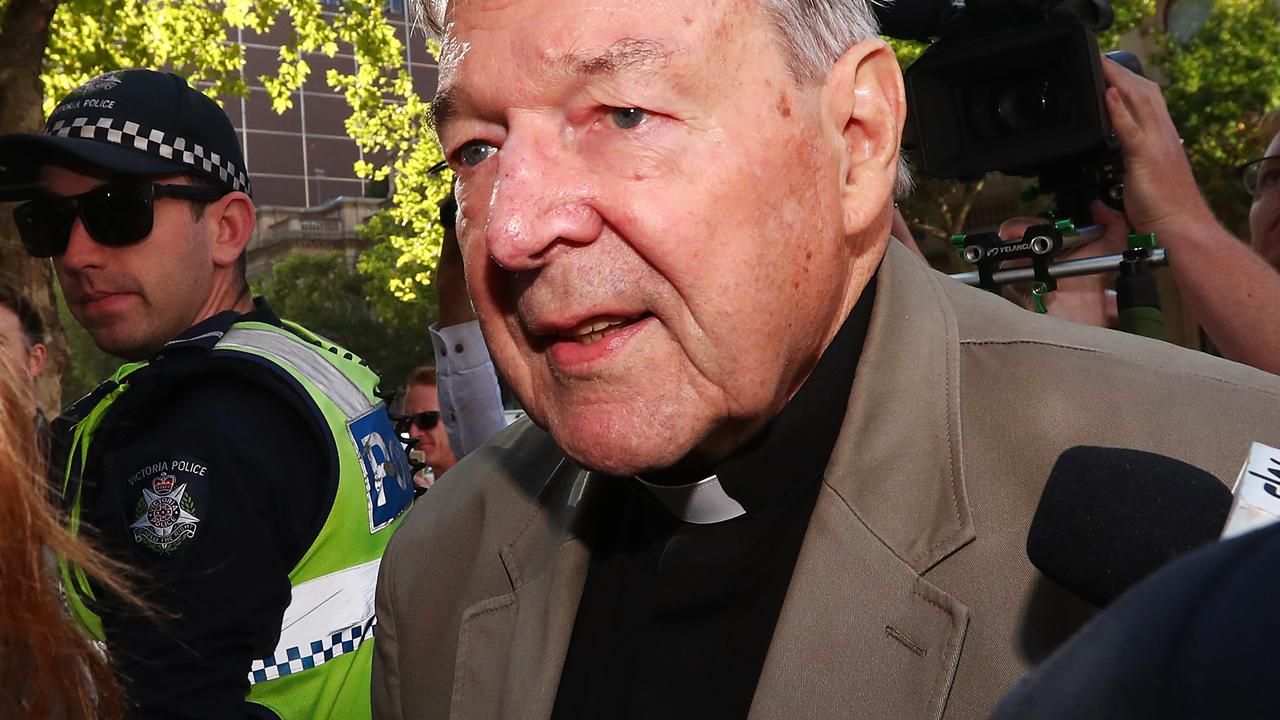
x=234, y=217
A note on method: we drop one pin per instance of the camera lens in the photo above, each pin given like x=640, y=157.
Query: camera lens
x=1029, y=103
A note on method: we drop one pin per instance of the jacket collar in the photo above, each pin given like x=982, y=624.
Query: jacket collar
x=206, y=333
x=908, y=489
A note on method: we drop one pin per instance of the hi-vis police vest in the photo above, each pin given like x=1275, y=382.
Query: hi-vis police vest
x=321, y=665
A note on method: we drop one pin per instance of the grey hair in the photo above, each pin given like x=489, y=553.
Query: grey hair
x=814, y=34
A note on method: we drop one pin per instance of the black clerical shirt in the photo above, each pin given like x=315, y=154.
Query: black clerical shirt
x=676, y=618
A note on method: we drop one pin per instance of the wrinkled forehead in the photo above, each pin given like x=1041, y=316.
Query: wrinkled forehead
x=420, y=397
x=545, y=34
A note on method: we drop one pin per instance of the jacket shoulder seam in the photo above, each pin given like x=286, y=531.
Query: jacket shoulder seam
x=1132, y=361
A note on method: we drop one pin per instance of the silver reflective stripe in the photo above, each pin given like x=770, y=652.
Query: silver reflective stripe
x=212, y=333
x=328, y=616
x=306, y=359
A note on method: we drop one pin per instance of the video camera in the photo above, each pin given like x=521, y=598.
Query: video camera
x=1016, y=86
x=1013, y=86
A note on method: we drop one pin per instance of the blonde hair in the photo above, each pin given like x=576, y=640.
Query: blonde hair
x=48, y=666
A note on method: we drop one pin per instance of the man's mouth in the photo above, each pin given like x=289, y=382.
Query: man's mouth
x=593, y=330
x=98, y=300
x=84, y=294
x=96, y=296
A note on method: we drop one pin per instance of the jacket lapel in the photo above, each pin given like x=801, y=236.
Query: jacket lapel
x=897, y=463
x=511, y=648
x=862, y=632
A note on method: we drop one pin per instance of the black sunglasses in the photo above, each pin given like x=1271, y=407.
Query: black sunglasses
x=1260, y=174
x=115, y=214
x=424, y=421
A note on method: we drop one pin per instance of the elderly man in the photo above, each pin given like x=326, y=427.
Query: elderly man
x=777, y=467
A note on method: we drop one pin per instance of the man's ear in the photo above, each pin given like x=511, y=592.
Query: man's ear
x=36, y=358
x=235, y=218
x=864, y=102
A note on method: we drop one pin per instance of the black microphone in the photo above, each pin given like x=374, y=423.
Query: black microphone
x=1109, y=517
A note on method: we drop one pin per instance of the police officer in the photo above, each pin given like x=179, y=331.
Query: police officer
x=241, y=464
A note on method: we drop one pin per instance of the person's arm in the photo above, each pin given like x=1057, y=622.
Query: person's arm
x=1227, y=286
x=470, y=399
x=249, y=486
x=467, y=384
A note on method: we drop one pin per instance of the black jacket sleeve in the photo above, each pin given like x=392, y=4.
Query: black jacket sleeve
x=213, y=493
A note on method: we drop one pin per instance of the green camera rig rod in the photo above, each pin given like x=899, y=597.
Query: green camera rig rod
x=1071, y=268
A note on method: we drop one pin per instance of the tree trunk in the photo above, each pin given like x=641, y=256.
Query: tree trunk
x=24, y=36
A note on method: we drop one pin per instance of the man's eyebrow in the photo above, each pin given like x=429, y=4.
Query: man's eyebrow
x=444, y=107
x=629, y=54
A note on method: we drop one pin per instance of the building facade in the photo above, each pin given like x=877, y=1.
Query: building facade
x=302, y=161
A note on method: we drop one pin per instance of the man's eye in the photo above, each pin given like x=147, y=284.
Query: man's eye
x=1268, y=178
x=475, y=152
x=627, y=118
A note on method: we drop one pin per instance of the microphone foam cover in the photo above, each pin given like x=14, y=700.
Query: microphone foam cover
x=1109, y=517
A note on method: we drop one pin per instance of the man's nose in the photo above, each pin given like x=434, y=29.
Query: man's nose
x=541, y=200
x=82, y=250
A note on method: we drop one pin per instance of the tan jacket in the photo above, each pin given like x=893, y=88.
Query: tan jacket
x=912, y=596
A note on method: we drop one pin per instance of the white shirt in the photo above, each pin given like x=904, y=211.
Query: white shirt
x=470, y=400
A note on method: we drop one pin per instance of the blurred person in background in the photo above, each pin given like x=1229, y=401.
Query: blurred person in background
x=22, y=346
x=48, y=667
x=421, y=424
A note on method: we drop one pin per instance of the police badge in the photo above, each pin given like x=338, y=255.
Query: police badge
x=105, y=81
x=167, y=515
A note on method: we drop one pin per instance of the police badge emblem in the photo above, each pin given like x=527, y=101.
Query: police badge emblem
x=166, y=515
x=105, y=81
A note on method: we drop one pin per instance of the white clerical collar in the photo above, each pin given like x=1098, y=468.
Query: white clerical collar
x=702, y=503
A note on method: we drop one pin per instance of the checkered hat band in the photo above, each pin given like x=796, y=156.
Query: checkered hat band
x=155, y=142
x=299, y=658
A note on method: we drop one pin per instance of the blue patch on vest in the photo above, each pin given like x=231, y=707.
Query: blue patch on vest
x=388, y=479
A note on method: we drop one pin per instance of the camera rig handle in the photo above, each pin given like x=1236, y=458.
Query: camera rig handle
x=1137, y=295
x=1039, y=243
